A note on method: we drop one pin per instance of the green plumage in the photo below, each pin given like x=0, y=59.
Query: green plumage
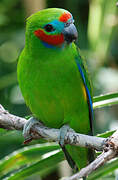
x=52, y=85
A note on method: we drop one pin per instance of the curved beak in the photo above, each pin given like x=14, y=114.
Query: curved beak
x=70, y=33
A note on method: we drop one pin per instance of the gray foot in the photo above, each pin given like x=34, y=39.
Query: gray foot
x=27, y=129
x=63, y=131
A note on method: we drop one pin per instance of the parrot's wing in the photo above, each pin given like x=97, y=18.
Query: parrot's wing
x=77, y=156
x=81, y=63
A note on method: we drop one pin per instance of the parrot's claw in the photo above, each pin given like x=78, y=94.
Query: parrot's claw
x=27, y=129
x=63, y=130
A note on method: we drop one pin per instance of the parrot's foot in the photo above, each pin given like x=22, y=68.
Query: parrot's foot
x=27, y=129
x=63, y=131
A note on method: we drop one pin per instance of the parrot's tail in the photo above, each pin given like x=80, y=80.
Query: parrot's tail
x=69, y=159
x=78, y=157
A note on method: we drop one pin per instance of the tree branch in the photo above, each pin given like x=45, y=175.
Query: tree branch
x=109, y=146
x=99, y=161
x=12, y=122
x=110, y=151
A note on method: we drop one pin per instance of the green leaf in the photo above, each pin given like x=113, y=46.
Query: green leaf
x=105, y=97
x=3, y=131
x=45, y=163
x=104, y=170
x=105, y=100
x=25, y=157
x=106, y=134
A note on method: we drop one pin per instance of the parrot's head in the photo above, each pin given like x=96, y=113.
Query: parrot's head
x=53, y=27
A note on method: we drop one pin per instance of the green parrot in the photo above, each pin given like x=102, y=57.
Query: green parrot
x=54, y=80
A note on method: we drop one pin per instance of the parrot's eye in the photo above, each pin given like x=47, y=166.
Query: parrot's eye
x=49, y=28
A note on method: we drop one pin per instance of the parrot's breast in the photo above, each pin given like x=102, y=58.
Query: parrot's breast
x=54, y=91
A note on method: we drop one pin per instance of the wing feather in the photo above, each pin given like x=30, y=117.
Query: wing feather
x=87, y=83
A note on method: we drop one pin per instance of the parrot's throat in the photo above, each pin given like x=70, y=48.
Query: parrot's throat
x=50, y=40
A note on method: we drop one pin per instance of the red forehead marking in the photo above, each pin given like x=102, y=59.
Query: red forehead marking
x=50, y=39
x=64, y=17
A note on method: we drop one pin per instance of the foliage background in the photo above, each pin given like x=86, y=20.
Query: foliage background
x=97, y=24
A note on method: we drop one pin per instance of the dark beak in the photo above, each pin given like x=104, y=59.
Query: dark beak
x=70, y=33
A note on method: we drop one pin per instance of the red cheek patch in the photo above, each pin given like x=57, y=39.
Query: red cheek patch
x=50, y=39
x=64, y=17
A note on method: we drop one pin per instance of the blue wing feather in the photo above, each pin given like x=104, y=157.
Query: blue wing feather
x=87, y=91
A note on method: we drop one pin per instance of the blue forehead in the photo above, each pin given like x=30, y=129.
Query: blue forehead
x=57, y=25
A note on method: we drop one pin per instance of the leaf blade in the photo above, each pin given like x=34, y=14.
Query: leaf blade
x=105, y=100
x=25, y=156
x=39, y=166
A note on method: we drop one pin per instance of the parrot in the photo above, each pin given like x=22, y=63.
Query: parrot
x=54, y=79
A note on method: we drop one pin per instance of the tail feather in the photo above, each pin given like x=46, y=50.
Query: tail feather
x=68, y=158
x=78, y=157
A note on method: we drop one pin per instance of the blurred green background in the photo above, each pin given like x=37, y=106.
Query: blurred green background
x=97, y=24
